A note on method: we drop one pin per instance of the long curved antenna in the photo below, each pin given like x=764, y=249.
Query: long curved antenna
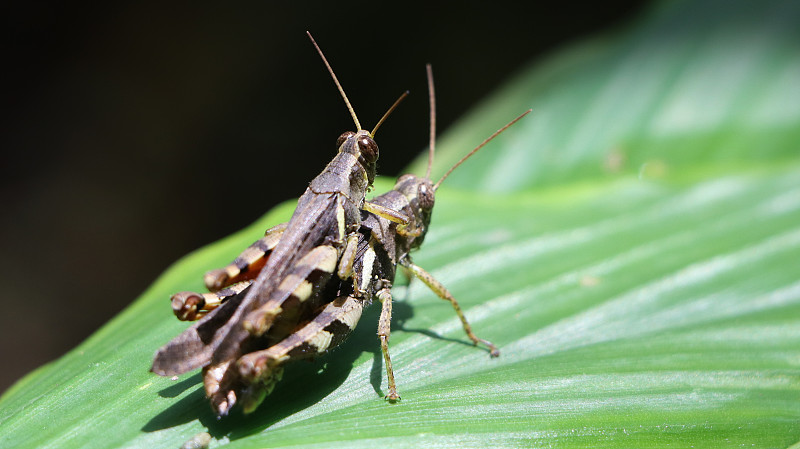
x=432, y=101
x=336, y=81
x=488, y=139
x=391, y=109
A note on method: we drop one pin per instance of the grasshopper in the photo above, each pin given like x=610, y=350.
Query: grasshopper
x=302, y=255
x=382, y=244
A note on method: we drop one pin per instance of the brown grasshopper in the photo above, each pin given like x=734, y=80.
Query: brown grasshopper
x=303, y=254
x=382, y=244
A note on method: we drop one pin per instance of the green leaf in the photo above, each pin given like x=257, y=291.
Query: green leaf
x=632, y=246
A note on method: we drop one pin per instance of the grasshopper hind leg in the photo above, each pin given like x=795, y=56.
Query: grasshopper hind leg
x=248, y=264
x=261, y=370
x=191, y=306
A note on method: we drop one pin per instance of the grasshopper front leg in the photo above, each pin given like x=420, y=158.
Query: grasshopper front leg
x=442, y=292
x=348, y=258
x=386, y=212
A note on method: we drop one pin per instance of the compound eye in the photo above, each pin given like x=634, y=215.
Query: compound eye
x=426, y=196
x=344, y=137
x=368, y=148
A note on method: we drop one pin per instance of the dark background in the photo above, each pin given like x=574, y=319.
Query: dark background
x=135, y=132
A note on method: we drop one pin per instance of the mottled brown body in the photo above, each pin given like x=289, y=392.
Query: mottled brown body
x=328, y=211
x=294, y=263
x=297, y=307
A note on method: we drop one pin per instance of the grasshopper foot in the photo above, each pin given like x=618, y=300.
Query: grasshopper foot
x=493, y=350
x=392, y=397
x=187, y=305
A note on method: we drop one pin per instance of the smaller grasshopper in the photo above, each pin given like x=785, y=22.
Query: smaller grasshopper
x=382, y=245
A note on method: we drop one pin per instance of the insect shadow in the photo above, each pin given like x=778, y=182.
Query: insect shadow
x=401, y=312
x=304, y=384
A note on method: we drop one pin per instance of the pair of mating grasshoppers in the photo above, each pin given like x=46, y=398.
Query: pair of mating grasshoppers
x=299, y=291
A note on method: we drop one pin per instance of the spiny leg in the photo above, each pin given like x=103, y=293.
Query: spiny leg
x=248, y=264
x=384, y=331
x=442, y=292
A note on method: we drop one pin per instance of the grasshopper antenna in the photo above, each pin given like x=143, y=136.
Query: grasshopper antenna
x=432, y=101
x=391, y=109
x=336, y=81
x=488, y=139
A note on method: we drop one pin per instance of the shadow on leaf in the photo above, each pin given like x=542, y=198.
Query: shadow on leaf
x=304, y=384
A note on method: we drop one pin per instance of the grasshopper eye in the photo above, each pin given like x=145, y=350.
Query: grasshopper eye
x=369, y=149
x=344, y=137
x=426, y=196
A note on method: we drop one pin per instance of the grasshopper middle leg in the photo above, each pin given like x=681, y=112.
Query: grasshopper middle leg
x=384, y=331
x=442, y=292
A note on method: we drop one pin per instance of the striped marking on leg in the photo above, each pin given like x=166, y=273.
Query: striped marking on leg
x=191, y=306
x=304, y=279
x=248, y=264
x=327, y=330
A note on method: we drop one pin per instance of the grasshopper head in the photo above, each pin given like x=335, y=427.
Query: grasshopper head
x=420, y=194
x=363, y=147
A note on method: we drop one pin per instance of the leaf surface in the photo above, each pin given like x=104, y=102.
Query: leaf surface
x=632, y=247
